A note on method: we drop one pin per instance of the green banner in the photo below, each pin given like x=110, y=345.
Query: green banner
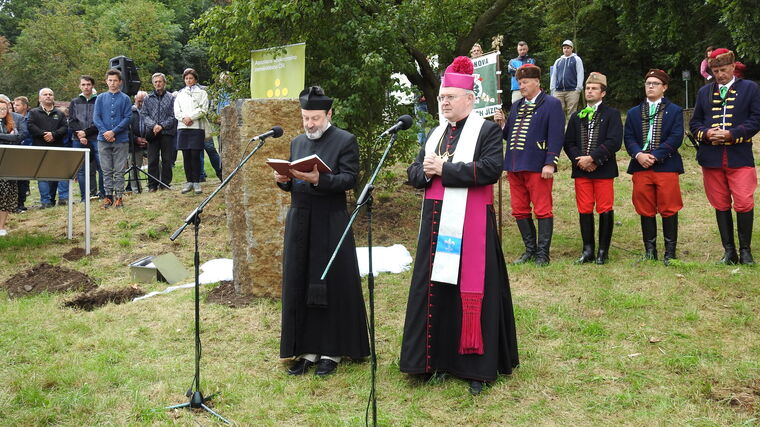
x=487, y=87
x=278, y=72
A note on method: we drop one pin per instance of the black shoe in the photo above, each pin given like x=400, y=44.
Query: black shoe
x=544, y=240
x=63, y=202
x=670, y=236
x=606, y=224
x=46, y=205
x=587, y=235
x=152, y=189
x=300, y=367
x=744, y=222
x=649, y=235
x=476, y=387
x=325, y=367
x=726, y=230
x=528, y=233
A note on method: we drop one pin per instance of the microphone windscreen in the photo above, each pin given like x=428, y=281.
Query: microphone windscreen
x=406, y=121
x=277, y=131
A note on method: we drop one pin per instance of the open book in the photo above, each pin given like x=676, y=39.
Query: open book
x=304, y=164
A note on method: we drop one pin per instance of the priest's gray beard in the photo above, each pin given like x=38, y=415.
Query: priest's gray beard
x=317, y=133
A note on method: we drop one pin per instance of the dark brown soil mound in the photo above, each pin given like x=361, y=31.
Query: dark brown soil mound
x=224, y=294
x=75, y=254
x=47, y=278
x=89, y=301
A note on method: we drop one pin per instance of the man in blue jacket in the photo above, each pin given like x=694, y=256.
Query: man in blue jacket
x=566, y=81
x=653, y=133
x=514, y=64
x=535, y=134
x=113, y=113
x=726, y=117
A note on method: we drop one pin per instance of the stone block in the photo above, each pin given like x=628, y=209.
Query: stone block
x=256, y=207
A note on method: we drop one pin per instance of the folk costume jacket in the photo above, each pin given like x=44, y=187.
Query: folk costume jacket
x=741, y=112
x=605, y=140
x=666, y=143
x=534, y=133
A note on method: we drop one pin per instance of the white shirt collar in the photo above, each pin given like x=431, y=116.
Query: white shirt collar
x=655, y=102
x=595, y=106
x=729, y=84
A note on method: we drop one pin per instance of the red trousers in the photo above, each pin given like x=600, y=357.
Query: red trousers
x=656, y=192
x=590, y=192
x=724, y=185
x=526, y=188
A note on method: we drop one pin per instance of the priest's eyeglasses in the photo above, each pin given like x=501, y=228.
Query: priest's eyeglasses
x=448, y=98
x=652, y=84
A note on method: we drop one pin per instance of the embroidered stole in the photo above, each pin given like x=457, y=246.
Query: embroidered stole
x=462, y=225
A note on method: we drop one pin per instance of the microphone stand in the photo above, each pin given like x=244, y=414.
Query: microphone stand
x=197, y=400
x=365, y=199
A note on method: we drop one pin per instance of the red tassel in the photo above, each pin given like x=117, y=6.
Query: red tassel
x=471, y=340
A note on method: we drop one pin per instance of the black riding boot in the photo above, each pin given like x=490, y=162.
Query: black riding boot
x=726, y=229
x=587, y=234
x=545, y=230
x=606, y=223
x=649, y=233
x=528, y=233
x=670, y=235
x=744, y=229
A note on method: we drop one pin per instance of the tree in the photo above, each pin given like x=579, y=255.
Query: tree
x=353, y=48
x=70, y=37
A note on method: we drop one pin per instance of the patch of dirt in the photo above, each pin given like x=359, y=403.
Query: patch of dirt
x=91, y=300
x=224, y=294
x=75, y=254
x=47, y=278
x=741, y=397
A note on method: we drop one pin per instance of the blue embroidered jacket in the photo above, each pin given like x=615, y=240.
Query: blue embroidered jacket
x=534, y=138
x=742, y=119
x=668, y=159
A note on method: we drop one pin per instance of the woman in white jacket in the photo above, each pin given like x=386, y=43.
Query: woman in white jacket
x=190, y=109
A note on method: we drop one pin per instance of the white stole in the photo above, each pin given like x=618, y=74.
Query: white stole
x=449, y=243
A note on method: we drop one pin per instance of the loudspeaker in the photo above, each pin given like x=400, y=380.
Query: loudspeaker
x=130, y=83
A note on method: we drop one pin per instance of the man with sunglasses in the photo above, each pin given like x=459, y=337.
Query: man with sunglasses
x=726, y=117
x=653, y=133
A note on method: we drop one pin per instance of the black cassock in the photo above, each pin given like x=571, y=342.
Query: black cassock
x=315, y=221
x=434, y=311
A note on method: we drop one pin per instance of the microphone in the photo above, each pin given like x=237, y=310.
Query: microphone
x=275, y=132
x=403, y=123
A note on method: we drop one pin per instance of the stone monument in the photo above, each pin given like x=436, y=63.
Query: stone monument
x=256, y=207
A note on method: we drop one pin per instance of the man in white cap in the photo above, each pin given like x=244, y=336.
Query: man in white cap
x=567, y=79
x=459, y=278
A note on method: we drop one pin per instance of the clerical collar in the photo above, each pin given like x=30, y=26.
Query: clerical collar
x=729, y=84
x=457, y=124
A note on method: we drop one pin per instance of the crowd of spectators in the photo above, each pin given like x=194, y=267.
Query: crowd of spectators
x=120, y=135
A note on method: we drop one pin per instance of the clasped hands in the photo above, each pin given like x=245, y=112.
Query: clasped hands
x=719, y=136
x=586, y=163
x=432, y=165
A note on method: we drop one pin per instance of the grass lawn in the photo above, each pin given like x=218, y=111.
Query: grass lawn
x=629, y=343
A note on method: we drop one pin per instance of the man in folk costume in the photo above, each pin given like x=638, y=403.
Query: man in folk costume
x=459, y=317
x=653, y=133
x=321, y=320
x=535, y=133
x=726, y=116
x=593, y=136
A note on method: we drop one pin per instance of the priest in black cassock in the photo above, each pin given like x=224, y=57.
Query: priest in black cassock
x=322, y=321
x=459, y=317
